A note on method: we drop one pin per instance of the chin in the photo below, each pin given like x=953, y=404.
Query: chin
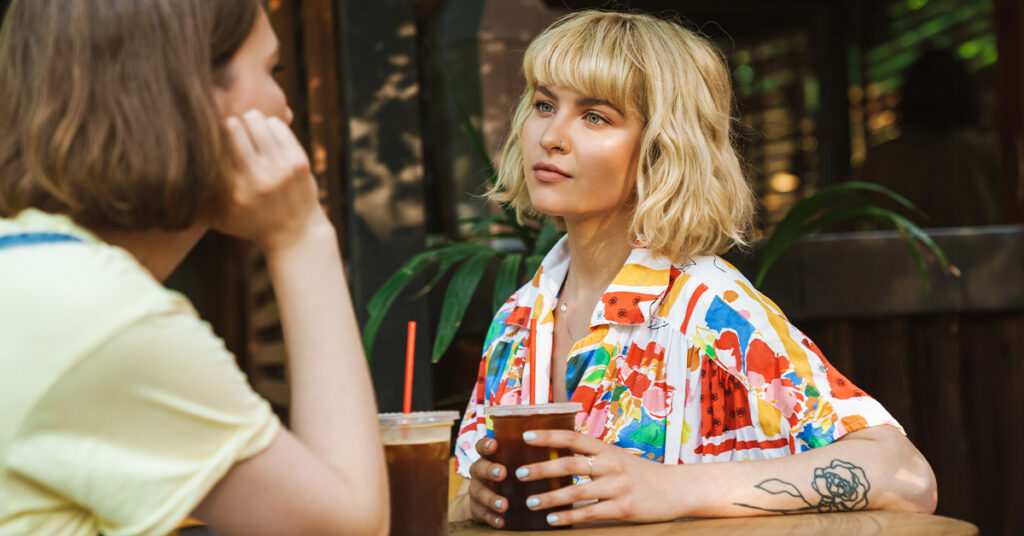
x=550, y=209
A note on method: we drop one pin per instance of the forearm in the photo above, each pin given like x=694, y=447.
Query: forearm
x=874, y=468
x=333, y=410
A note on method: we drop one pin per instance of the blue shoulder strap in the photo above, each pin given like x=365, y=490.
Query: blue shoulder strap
x=30, y=239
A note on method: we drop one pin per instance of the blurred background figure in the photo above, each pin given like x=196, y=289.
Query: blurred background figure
x=941, y=161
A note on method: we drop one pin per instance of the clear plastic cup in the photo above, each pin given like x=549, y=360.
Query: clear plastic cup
x=417, y=447
x=509, y=423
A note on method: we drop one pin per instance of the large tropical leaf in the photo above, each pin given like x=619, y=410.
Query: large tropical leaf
x=381, y=301
x=477, y=140
x=482, y=224
x=793, y=227
x=549, y=235
x=460, y=291
x=780, y=242
x=893, y=218
x=505, y=282
x=449, y=257
x=806, y=208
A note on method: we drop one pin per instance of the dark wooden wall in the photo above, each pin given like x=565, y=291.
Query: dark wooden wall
x=956, y=384
x=309, y=54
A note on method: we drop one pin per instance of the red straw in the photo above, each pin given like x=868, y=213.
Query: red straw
x=533, y=361
x=410, y=349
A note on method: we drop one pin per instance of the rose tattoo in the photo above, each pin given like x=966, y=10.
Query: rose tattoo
x=843, y=487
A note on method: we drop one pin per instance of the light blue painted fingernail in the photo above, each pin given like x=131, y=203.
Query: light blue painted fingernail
x=522, y=472
x=529, y=436
x=552, y=519
x=532, y=501
x=496, y=471
x=497, y=503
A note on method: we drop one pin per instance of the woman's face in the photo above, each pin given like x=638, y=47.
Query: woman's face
x=249, y=76
x=580, y=155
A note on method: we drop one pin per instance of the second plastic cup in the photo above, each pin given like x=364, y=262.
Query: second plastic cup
x=416, y=446
x=509, y=424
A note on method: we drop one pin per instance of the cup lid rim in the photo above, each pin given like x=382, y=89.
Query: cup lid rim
x=417, y=418
x=534, y=409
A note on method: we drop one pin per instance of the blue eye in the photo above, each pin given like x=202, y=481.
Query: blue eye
x=594, y=119
x=544, y=107
x=277, y=69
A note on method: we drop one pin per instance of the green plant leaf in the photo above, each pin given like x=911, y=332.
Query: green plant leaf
x=893, y=218
x=549, y=234
x=477, y=140
x=482, y=224
x=467, y=121
x=922, y=270
x=381, y=300
x=788, y=230
x=505, y=282
x=532, y=263
x=908, y=229
x=456, y=299
x=794, y=226
x=449, y=257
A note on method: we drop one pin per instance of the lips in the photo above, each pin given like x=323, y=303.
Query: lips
x=546, y=172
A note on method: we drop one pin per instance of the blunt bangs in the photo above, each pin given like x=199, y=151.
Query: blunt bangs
x=593, y=56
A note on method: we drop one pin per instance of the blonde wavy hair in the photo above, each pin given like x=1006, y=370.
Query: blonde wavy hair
x=691, y=195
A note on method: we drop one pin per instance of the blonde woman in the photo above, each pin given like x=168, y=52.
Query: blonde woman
x=623, y=136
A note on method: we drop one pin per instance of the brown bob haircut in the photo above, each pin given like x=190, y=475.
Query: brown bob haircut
x=107, y=111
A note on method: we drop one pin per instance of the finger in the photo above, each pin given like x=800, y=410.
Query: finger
x=556, y=468
x=576, y=442
x=240, y=138
x=262, y=137
x=485, y=515
x=291, y=149
x=569, y=495
x=486, y=446
x=485, y=470
x=603, y=510
x=283, y=135
x=481, y=493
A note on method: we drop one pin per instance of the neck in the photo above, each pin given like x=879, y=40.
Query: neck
x=160, y=252
x=598, y=248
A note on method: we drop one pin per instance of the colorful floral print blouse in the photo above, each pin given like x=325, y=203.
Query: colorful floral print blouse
x=683, y=364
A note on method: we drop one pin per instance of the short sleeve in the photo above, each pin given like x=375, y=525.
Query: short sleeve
x=141, y=428
x=778, y=383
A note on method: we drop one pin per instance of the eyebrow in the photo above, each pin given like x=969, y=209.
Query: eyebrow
x=583, y=102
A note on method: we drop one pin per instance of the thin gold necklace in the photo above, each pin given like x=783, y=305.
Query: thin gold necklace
x=564, y=306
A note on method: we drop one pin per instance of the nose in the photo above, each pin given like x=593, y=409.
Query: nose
x=554, y=138
x=289, y=116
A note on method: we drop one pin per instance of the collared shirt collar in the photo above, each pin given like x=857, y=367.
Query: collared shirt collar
x=631, y=298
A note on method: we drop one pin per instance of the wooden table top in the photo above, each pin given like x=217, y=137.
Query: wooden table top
x=849, y=523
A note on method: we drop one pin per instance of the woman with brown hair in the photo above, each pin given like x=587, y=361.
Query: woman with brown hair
x=127, y=130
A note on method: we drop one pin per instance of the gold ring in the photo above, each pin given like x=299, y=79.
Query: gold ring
x=590, y=464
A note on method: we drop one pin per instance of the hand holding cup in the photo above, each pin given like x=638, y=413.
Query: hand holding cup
x=487, y=506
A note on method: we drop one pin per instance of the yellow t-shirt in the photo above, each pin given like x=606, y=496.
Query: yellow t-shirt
x=120, y=407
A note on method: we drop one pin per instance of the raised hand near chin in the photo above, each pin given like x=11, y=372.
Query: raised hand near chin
x=275, y=199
